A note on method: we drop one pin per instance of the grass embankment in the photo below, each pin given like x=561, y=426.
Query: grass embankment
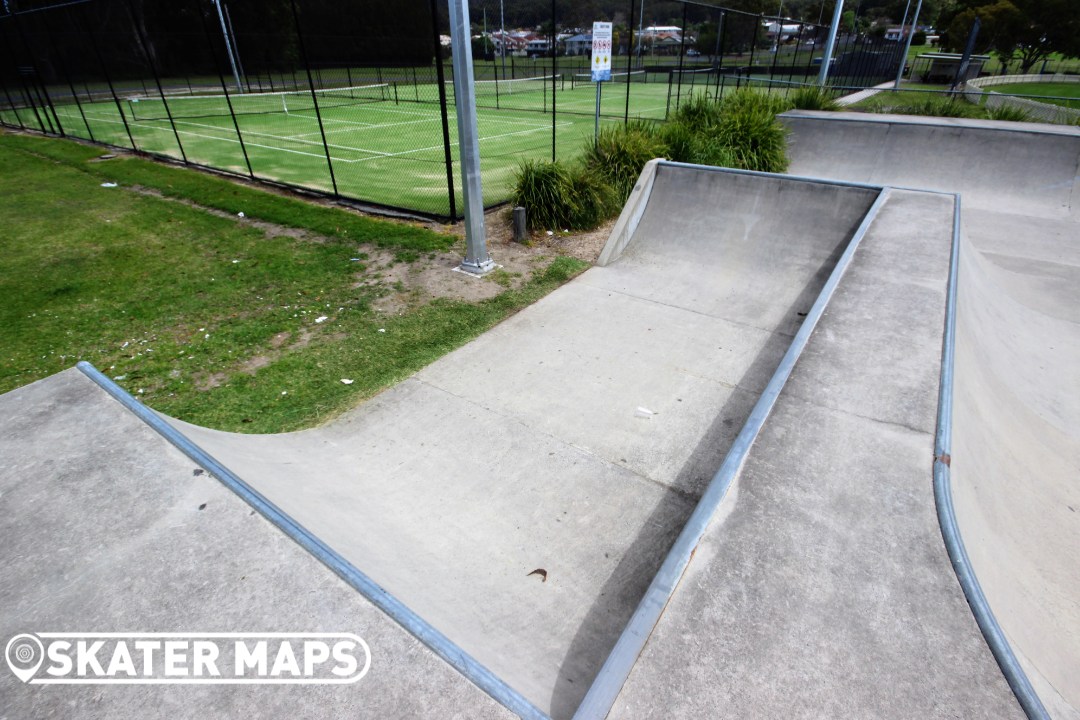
x=1064, y=94
x=205, y=317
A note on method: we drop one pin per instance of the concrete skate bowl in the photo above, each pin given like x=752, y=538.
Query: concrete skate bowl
x=1015, y=416
x=511, y=503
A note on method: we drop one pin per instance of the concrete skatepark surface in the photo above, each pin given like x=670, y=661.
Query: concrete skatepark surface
x=1016, y=452
x=578, y=436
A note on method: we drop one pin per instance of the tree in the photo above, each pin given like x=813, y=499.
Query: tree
x=1030, y=30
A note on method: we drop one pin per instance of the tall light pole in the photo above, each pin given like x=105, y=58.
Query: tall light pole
x=826, y=61
x=477, y=261
x=228, y=46
x=907, y=43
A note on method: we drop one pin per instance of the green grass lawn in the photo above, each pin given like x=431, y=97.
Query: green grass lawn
x=203, y=316
x=1064, y=94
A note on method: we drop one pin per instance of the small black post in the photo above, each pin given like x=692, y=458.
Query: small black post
x=440, y=75
x=521, y=232
x=314, y=97
x=157, y=79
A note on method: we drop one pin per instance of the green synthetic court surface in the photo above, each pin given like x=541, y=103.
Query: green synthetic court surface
x=385, y=140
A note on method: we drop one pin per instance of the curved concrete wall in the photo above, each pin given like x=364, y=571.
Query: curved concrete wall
x=1016, y=417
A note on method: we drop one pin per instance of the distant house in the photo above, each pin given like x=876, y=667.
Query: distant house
x=537, y=45
x=897, y=33
x=580, y=44
x=784, y=30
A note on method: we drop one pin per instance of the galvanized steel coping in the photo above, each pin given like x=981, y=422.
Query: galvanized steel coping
x=950, y=530
x=609, y=681
x=413, y=623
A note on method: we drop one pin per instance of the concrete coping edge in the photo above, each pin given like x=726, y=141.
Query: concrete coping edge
x=400, y=613
x=634, y=209
x=608, y=683
x=943, y=498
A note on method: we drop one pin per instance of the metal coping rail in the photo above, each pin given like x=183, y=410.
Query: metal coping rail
x=409, y=620
x=950, y=530
x=620, y=662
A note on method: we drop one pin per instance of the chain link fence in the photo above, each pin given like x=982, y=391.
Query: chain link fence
x=354, y=99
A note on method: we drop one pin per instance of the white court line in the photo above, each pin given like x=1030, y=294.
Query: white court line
x=365, y=126
x=487, y=137
x=283, y=138
x=376, y=155
x=230, y=140
x=430, y=117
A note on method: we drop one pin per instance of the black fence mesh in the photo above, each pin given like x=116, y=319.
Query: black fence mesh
x=355, y=98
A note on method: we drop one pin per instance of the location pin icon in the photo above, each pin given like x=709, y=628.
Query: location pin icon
x=24, y=654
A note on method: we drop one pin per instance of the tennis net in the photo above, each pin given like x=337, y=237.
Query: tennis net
x=206, y=106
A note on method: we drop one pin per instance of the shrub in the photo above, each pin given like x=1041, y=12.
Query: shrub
x=748, y=126
x=594, y=200
x=1008, y=112
x=698, y=112
x=813, y=98
x=618, y=154
x=555, y=196
x=683, y=144
x=938, y=107
x=546, y=191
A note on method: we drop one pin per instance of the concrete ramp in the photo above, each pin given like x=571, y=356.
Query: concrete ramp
x=520, y=493
x=1026, y=168
x=1016, y=414
x=1016, y=466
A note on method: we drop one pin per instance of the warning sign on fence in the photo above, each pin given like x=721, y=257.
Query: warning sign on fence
x=601, y=51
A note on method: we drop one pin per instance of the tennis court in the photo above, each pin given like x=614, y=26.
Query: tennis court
x=383, y=141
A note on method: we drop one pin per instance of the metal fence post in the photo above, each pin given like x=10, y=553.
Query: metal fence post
x=67, y=74
x=157, y=79
x=554, y=73
x=629, y=56
x=45, y=99
x=314, y=97
x=108, y=78
x=440, y=75
x=682, y=54
x=22, y=81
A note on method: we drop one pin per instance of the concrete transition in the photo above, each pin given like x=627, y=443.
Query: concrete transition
x=519, y=496
x=1016, y=413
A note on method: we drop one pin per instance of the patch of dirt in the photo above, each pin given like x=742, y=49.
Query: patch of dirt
x=416, y=283
x=401, y=286
x=209, y=382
